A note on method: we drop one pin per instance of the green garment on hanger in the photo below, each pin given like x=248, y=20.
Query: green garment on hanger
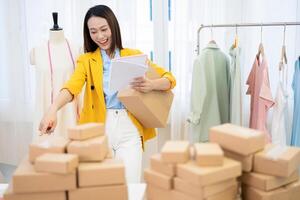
x=210, y=99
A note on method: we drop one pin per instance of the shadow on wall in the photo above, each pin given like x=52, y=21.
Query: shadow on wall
x=6, y=172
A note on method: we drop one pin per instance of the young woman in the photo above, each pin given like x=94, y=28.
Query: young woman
x=102, y=42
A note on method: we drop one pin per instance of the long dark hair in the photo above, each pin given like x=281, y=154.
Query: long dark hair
x=106, y=13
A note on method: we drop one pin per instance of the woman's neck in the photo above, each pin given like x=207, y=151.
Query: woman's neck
x=110, y=54
x=56, y=36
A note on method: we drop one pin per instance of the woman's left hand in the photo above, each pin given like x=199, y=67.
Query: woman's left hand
x=142, y=84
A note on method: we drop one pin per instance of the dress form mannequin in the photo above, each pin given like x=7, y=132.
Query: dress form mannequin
x=54, y=66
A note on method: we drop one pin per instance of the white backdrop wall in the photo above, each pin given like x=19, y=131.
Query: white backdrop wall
x=172, y=32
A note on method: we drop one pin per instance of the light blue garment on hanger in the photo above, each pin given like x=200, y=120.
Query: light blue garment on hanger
x=295, y=139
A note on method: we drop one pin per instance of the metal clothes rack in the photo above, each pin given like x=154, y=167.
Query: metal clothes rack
x=241, y=25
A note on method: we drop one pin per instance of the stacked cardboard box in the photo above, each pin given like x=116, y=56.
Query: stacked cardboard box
x=87, y=171
x=176, y=173
x=269, y=171
x=29, y=183
x=99, y=175
x=275, y=174
x=238, y=143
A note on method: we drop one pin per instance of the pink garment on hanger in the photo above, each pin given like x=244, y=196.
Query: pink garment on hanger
x=261, y=96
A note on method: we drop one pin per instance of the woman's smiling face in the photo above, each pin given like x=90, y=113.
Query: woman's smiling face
x=100, y=32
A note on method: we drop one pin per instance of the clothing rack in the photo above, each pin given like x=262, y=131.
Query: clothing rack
x=241, y=25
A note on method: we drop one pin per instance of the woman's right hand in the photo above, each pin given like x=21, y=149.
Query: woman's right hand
x=48, y=123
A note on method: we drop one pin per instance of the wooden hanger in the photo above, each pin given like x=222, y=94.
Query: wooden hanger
x=236, y=38
x=261, y=51
x=283, y=58
x=212, y=41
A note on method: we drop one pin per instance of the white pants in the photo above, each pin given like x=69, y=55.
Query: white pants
x=125, y=141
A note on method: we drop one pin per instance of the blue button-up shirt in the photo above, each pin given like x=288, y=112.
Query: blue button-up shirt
x=111, y=99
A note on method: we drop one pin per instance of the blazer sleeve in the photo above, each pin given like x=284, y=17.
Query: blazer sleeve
x=164, y=74
x=75, y=83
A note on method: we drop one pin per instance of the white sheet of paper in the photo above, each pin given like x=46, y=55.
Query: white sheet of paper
x=137, y=59
x=124, y=70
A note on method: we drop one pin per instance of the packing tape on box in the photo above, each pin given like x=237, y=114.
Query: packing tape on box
x=275, y=152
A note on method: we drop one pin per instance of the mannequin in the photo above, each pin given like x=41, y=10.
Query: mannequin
x=54, y=61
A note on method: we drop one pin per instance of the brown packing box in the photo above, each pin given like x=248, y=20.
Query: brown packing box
x=175, y=152
x=110, y=153
x=157, y=179
x=178, y=195
x=9, y=195
x=151, y=108
x=203, y=176
x=237, y=139
x=285, y=162
x=56, y=163
x=289, y=192
x=107, y=172
x=209, y=154
x=200, y=192
x=47, y=144
x=157, y=193
x=85, y=131
x=267, y=182
x=246, y=161
x=158, y=165
x=294, y=190
x=229, y=194
x=93, y=149
x=114, y=192
x=26, y=180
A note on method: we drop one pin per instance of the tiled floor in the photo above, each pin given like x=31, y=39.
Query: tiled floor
x=7, y=171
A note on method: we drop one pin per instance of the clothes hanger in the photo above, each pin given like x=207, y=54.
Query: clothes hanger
x=283, y=59
x=236, y=38
x=261, y=51
x=212, y=41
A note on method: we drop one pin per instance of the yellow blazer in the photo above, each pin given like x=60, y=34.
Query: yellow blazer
x=89, y=71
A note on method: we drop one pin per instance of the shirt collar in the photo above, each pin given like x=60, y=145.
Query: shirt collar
x=106, y=57
x=212, y=45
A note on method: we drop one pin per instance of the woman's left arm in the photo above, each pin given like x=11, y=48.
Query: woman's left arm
x=144, y=84
x=165, y=82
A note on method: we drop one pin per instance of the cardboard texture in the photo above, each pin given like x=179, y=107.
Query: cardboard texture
x=229, y=194
x=250, y=193
x=175, y=152
x=157, y=164
x=156, y=193
x=237, y=139
x=86, y=131
x=115, y=192
x=56, y=163
x=9, y=195
x=47, y=144
x=294, y=190
x=267, y=182
x=93, y=149
x=151, y=108
x=107, y=172
x=246, y=161
x=157, y=179
x=200, y=192
x=283, y=165
x=27, y=180
x=209, y=154
x=204, y=176
x=178, y=195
